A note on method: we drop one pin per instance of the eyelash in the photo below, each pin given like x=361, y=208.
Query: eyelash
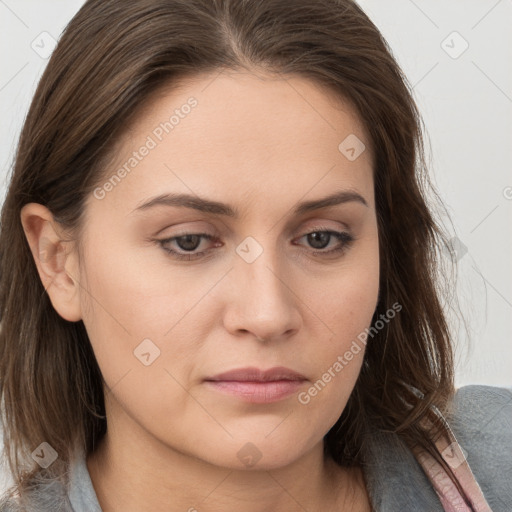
x=346, y=239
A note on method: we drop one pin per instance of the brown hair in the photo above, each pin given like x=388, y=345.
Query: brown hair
x=112, y=57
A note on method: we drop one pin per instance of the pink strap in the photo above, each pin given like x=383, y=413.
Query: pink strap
x=453, y=454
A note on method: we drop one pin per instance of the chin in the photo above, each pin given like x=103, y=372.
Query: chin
x=262, y=453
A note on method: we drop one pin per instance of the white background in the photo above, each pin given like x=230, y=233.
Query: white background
x=466, y=103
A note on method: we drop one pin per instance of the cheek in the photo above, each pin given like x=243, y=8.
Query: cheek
x=346, y=306
x=348, y=299
x=134, y=317
x=137, y=327
x=135, y=292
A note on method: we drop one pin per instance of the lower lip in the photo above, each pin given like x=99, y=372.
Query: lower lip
x=257, y=392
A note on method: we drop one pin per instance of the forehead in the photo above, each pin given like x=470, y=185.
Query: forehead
x=242, y=134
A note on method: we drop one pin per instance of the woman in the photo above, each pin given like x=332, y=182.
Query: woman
x=220, y=275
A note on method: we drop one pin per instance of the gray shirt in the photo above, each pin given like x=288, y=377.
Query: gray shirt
x=481, y=422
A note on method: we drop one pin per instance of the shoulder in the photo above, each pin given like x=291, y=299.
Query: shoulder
x=481, y=419
x=43, y=496
x=478, y=401
x=481, y=413
x=9, y=503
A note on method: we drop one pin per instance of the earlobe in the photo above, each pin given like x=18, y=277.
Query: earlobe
x=55, y=261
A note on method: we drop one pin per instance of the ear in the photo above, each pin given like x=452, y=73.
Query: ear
x=55, y=260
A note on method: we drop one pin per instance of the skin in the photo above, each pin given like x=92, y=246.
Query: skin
x=261, y=144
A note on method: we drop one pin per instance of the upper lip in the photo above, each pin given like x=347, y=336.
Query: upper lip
x=252, y=374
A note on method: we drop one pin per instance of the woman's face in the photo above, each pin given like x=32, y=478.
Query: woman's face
x=250, y=286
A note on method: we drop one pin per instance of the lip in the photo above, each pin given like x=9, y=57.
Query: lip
x=252, y=374
x=257, y=386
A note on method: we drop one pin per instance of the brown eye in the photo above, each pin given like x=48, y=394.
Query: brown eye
x=188, y=242
x=320, y=239
x=185, y=244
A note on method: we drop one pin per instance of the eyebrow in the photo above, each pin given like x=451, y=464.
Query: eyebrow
x=216, y=208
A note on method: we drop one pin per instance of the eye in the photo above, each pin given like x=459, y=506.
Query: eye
x=321, y=238
x=187, y=242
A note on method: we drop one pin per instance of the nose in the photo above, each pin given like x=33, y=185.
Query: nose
x=262, y=300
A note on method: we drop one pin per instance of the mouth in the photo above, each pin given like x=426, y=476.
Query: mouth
x=257, y=386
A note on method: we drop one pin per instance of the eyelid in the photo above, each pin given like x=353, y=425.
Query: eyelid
x=197, y=227
x=319, y=226
x=198, y=231
x=345, y=241
x=187, y=228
